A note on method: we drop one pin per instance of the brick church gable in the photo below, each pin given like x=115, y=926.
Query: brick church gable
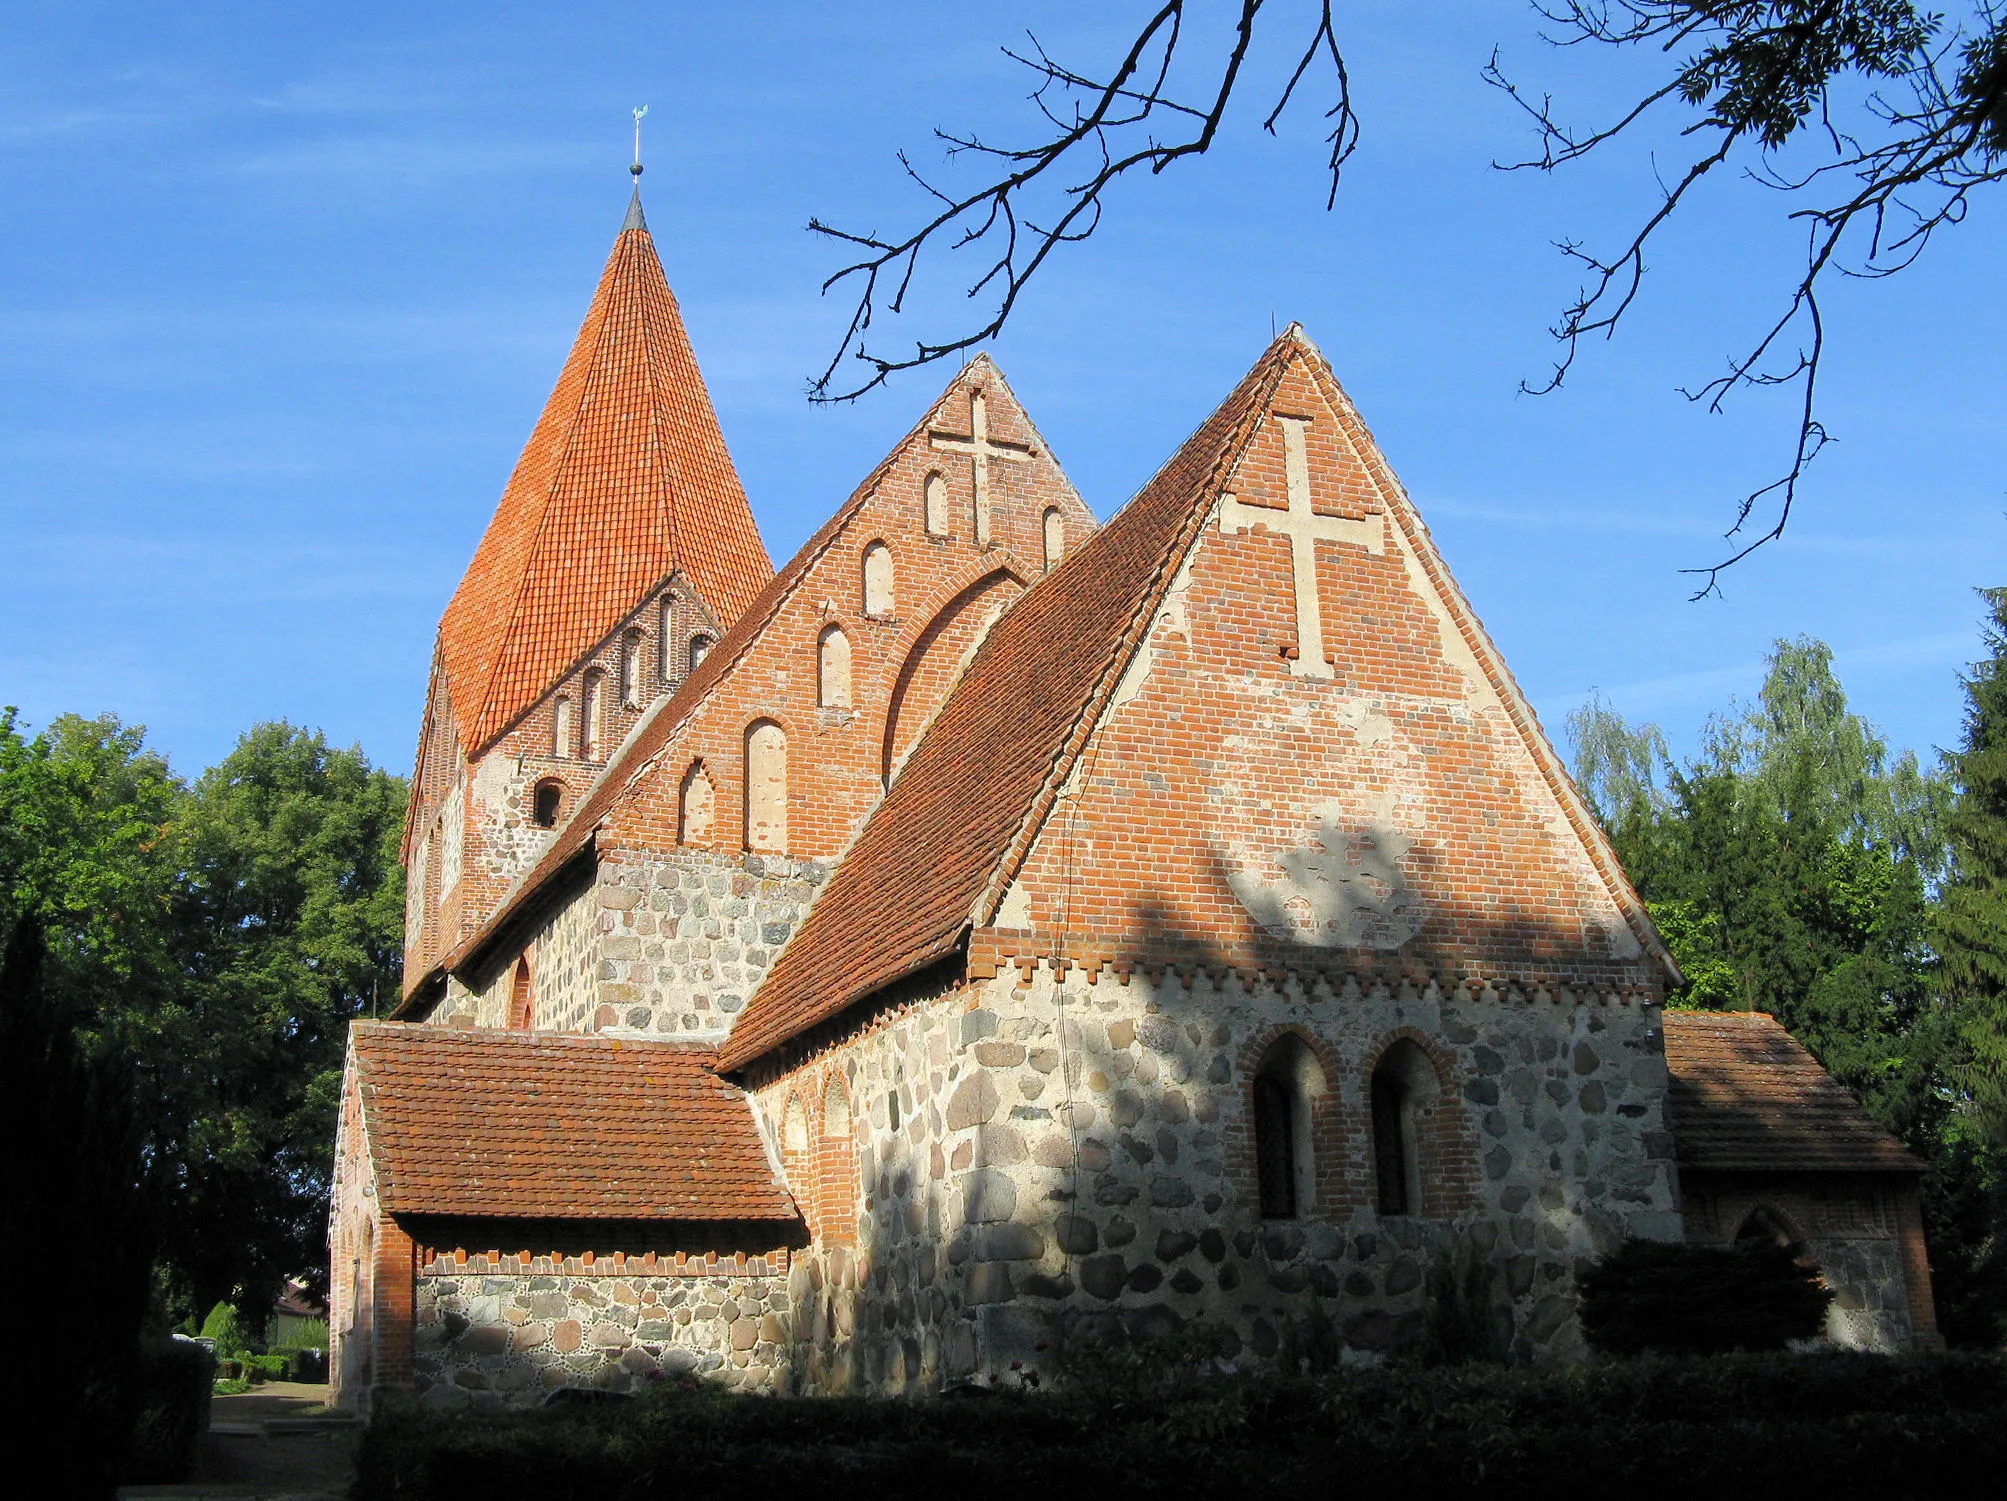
x=949, y=552
x=1142, y=767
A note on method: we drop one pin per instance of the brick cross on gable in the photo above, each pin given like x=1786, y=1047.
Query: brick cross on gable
x=1305, y=529
x=981, y=448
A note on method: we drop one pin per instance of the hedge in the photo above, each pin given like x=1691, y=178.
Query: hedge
x=171, y=1382
x=1734, y=1424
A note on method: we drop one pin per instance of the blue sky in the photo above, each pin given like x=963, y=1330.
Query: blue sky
x=282, y=289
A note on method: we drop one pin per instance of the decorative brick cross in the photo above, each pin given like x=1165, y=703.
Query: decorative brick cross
x=1305, y=529
x=981, y=448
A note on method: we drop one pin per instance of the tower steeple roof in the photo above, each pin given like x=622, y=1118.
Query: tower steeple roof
x=624, y=480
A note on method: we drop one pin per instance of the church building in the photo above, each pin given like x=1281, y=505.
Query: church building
x=996, y=929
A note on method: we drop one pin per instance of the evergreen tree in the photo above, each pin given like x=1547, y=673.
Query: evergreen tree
x=1971, y=928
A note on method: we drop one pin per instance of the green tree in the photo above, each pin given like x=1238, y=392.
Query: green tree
x=287, y=919
x=1971, y=928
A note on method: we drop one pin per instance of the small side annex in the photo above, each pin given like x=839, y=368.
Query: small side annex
x=1771, y=1146
x=521, y=1211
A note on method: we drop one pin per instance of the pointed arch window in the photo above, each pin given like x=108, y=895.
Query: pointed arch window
x=1404, y=1083
x=1287, y=1083
x=766, y=787
x=697, y=799
x=832, y=669
x=630, y=668
x=836, y=1109
x=878, y=579
x=1055, y=539
x=561, y=727
x=592, y=710
x=794, y=1127
x=936, y=492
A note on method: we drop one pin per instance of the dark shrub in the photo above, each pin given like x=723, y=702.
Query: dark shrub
x=1700, y=1300
x=171, y=1379
x=306, y=1365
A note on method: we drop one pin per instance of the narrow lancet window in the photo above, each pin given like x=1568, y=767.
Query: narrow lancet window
x=1287, y=1085
x=700, y=648
x=833, y=669
x=630, y=669
x=1055, y=539
x=1402, y=1086
x=561, y=731
x=877, y=579
x=766, y=788
x=937, y=505
x=592, y=709
x=665, y=655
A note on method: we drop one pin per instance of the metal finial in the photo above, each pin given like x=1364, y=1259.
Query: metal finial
x=638, y=113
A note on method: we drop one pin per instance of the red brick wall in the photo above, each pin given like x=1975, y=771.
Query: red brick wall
x=944, y=588
x=1217, y=758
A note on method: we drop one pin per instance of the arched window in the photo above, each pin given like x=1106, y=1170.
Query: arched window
x=836, y=1109
x=561, y=728
x=1055, y=539
x=794, y=1127
x=592, y=708
x=937, y=505
x=1404, y=1083
x=832, y=676
x=877, y=579
x=1766, y=1226
x=665, y=657
x=1286, y=1083
x=693, y=819
x=700, y=648
x=547, y=802
x=522, y=1004
x=630, y=669
x=766, y=787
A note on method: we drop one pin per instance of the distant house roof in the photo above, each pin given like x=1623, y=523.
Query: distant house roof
x=296, y=1300
x=1746, y=1096
x=535, y=1125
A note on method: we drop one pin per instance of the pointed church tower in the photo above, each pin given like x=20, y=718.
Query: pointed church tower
x=622, y=548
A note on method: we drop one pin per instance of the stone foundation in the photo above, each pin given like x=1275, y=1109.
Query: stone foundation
x=507, y=1336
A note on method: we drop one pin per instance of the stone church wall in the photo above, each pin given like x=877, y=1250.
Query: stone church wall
x=499, y=1335
x=686, y=936
x=1862, y=1232
x=1077, y=1156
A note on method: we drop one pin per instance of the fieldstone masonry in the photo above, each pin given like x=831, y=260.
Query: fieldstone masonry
x=1035, y=1160
x=502, y=1335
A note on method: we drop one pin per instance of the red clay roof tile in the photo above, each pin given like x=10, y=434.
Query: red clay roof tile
x=1747, y=1096
x=540, y=1125
x=625, y=479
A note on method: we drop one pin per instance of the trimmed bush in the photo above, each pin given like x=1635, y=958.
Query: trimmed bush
x=226, y=1329
x=1729, y=1425
x=171, y=1381
x=1700, y=1300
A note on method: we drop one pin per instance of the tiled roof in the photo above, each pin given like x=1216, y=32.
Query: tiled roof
x=1747, y=1096
x=932, y=858
x=625, y=480
x=904, y=894
x=536, y=1125
x=660, y=725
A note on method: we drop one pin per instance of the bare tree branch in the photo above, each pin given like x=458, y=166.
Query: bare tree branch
x=1765, y=71
x=1102, y=130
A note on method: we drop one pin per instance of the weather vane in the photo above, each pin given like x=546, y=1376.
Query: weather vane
x=638, y=113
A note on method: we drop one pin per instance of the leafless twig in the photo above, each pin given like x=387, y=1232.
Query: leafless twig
x=1102, y=130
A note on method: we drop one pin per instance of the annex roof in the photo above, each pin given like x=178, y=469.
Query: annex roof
x=1747, y=1096
x=539, y=1125
x=625, y=480
x=934, y=857
x=659, y=727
